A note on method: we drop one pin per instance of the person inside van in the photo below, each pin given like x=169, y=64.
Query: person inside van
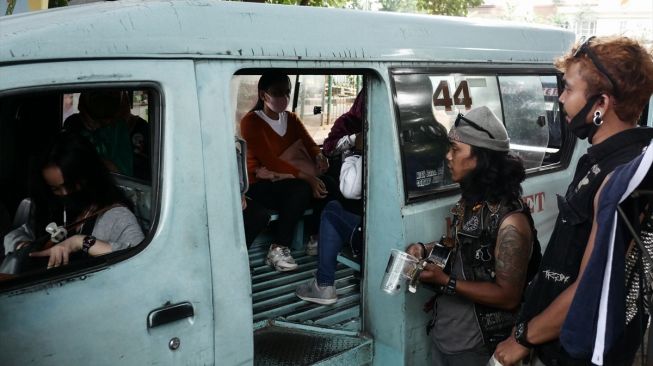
x=284, y=165
x=255, y=218
x=73, y=189
x=346, y=129
x=479, y=290
x=339, y=224
x=121, y=139
x=608, y=83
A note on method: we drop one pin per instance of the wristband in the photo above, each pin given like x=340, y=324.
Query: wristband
x=450, y=288
x=521, y=330
x=87, y=243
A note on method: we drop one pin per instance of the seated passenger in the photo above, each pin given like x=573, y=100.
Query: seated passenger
x=283, y=164
x=121, y=139
x=339, y=223
x=255, y=218
x=73, y=188
x=346, y=129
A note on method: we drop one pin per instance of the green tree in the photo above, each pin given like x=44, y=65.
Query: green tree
x=403, y=6
x=440, y=7
x=322, y=3
x=447, y=7
x=57, y=3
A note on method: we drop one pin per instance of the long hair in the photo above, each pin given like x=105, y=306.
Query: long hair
x=268, y=79
x=497, y=177
x=83, y=171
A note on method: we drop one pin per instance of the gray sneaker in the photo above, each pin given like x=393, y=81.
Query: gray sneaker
x=320, y=295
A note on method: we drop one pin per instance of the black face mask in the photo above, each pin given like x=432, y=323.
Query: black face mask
x=578, y=125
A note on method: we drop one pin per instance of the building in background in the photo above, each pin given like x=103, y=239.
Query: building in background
x=631, y=18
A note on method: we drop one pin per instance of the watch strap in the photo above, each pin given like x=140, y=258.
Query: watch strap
x=450, y=288
x=87, y=243
x=521, y=330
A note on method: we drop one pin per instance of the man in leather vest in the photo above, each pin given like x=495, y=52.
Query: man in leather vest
x=480, y=289
x=608, y=82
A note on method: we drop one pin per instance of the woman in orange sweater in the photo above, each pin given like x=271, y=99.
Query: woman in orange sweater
x=277, y=184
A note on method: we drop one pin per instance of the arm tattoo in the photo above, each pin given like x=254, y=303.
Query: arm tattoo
x=512, y=255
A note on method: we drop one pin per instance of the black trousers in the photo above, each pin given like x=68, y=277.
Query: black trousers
x=290, y=198
x=256, y=219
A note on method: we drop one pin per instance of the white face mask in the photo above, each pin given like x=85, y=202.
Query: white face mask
x=276, y=104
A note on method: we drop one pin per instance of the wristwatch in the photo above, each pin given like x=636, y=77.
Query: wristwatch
x=521, y=330
x=450, y=288
x=87, y=243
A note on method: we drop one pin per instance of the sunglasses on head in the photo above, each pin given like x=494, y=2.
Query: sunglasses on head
x=472, y=124
x=584, y=49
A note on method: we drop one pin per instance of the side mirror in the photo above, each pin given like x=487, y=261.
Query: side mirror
x=241, y=155
x=317, y=109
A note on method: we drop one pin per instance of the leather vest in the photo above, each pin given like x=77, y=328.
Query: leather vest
x=476, y=237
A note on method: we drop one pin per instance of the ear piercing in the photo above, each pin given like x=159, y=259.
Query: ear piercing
x=598, y=119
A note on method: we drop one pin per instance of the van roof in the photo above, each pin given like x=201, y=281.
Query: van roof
x=210, y=29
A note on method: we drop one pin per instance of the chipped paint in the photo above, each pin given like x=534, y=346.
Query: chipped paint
x=48, y=286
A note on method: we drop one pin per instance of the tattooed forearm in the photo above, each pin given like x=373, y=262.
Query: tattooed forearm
x=512, y=255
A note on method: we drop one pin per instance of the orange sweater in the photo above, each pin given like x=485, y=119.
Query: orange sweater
x=264, y=145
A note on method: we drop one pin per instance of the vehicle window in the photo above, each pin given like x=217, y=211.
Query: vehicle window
x=427, y=106
x=68, y=158
x=533, y=128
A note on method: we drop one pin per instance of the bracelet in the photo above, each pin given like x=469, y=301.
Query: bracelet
x=450, y=288
x=87, y=243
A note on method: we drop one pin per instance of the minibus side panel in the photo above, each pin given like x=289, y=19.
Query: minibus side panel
x=233, y=342
x=99, y=317
x=384, y=314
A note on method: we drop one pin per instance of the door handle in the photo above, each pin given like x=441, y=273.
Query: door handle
x=169, y=313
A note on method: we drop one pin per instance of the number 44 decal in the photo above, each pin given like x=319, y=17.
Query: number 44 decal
x=442, y=97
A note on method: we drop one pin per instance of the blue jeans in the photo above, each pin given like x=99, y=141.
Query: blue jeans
x=336, y=228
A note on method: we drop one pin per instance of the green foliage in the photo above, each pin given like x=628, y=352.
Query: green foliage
x=442, y=7
x=447, y=7
x=57, y=3
x=403, y=6
x=10, y=7
x=321, y=3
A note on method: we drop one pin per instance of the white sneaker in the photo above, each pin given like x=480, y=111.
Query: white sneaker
x=279, y=257
x=311, y=247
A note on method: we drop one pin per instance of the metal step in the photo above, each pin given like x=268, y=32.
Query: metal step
x=273, y=293
x=276, y=346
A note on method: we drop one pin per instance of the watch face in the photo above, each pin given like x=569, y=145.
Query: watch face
x=520, y=334
x=519, y=331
